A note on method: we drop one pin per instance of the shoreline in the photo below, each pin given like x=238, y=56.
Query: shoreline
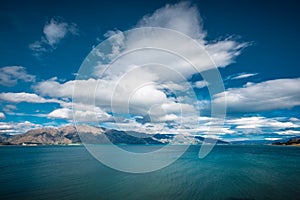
x=80, y=144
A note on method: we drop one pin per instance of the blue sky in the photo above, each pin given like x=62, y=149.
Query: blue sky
x=43, y=45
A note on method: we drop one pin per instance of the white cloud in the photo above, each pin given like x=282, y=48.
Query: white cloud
x=288, y=132
x=25, y=97
x=53, y=88
x=223, y=52
x=182, y=17
x=170, y=117
x=11, y=75
x=82, y=113
x=54, y=31
x=272, y=139
x=116, y=38
x=38, y=46
x=9, y=108
x=161, y=90
x=261, y=125
x=268, y=95
x=26, y=114
x=294, y=119
x=139, y=100
x=201, y=84
x=241, y=76
x=2, y=115
x=62, y=113
x=209, y=130
x=17, y=127
x=172, y=72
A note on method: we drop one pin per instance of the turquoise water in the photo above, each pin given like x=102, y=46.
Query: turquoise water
x=228, y=172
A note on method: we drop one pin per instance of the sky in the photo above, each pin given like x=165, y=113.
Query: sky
x=46, y=47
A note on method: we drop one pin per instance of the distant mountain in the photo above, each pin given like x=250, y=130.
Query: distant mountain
x=3, y=139
x=211, y=140
x=69, y=135
x=252, y=142
x=289, y=141
x=95, y=135
x=295, y=141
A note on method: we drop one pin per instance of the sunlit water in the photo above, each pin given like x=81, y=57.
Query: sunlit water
x=228, y=172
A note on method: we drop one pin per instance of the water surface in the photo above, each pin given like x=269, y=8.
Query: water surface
x=228, y=172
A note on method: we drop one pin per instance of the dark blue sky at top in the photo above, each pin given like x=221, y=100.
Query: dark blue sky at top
x=271, y=27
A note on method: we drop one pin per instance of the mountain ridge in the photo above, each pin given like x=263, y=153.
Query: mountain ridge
x=68, y=135
x=294, y=141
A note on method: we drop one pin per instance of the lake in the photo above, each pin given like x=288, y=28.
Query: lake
x=229, y=172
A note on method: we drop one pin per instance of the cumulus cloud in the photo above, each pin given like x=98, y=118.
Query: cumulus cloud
x=54, y=31
x=160, y=91
x=145, y=100
x=267, y=95
x=11, y=75
x=182, y=17
x=62, y=113
x=53, y=88
x=81, y=112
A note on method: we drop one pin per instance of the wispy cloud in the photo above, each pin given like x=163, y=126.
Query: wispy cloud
x=9, y=108
x=244, y=75
x=11, y=75
x=25, y=97
x=267, y=95
x=272, y=139
x=54, y=31
x=288, y=132
x=254, y=123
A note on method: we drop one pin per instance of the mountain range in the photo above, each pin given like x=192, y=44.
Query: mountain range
x=69, y=135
